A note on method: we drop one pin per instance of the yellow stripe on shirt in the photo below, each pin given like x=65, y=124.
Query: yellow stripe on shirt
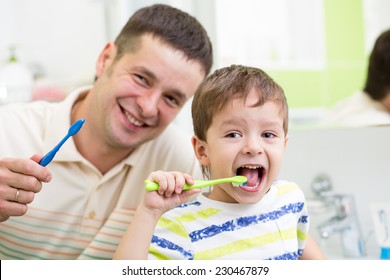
x=246, y=244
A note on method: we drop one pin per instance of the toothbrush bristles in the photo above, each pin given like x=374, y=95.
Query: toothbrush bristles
x=239, y=185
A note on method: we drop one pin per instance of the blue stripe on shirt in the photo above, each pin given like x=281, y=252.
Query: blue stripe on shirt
x=286, y=256
x=163, y=243
x=241, y=222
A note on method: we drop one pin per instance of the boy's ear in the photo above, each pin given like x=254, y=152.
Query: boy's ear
x=285, y=141
x=200, y=149
x=105, y=58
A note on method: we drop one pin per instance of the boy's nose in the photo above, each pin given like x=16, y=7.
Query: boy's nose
x=253, y=146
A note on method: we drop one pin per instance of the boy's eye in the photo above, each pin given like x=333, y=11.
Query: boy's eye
x=233, y=135
x=268, y=135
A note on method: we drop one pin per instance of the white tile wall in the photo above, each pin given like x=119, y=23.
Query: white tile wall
x=357, y=161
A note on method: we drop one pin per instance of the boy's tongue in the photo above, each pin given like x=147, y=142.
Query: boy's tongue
x=251, y=174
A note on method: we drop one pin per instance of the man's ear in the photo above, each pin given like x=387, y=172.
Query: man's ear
x=200, y=149
x=105, y=58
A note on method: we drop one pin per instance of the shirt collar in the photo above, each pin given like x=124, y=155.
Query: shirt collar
x=59, y=126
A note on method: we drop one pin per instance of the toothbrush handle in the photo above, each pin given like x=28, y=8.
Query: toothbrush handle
x=153, y=186
x=48, y=157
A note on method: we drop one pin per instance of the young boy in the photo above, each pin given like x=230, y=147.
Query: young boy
x=240, y=119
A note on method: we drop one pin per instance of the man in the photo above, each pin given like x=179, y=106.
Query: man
x=370, y=106
x=96, y=180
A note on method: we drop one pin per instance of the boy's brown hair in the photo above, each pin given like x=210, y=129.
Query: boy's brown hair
x=225, y=84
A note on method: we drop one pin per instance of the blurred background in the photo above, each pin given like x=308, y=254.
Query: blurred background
x=316, y=49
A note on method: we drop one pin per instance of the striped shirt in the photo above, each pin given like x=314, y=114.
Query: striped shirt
x=81, y=213
x=274, y=228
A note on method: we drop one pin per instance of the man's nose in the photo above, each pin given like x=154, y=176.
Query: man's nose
x=148, y=104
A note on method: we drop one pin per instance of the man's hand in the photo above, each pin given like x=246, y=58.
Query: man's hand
x=20, y=180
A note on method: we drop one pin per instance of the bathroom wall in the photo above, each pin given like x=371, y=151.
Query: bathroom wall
x=357, y=161
x=59, y=39
x=64, y=38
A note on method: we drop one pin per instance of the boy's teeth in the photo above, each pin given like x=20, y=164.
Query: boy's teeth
x=251, y=167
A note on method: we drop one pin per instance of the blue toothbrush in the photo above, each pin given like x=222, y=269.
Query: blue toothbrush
x=72, y=131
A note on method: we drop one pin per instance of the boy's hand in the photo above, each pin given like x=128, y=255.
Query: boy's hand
x=170, y=192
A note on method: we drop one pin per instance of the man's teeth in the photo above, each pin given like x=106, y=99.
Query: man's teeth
x=133, y=120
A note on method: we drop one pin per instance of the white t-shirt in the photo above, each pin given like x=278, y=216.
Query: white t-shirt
x=276, y=227
x=80, y=213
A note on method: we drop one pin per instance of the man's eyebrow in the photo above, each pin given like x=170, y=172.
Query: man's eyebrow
x=146, y=72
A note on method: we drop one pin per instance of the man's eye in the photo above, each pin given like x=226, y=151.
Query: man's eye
x=173, y=100
x=140, y=79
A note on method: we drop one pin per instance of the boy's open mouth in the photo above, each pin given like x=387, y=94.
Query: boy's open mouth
x=254, y=174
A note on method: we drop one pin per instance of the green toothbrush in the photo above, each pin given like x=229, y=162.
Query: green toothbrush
x=236, y=180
